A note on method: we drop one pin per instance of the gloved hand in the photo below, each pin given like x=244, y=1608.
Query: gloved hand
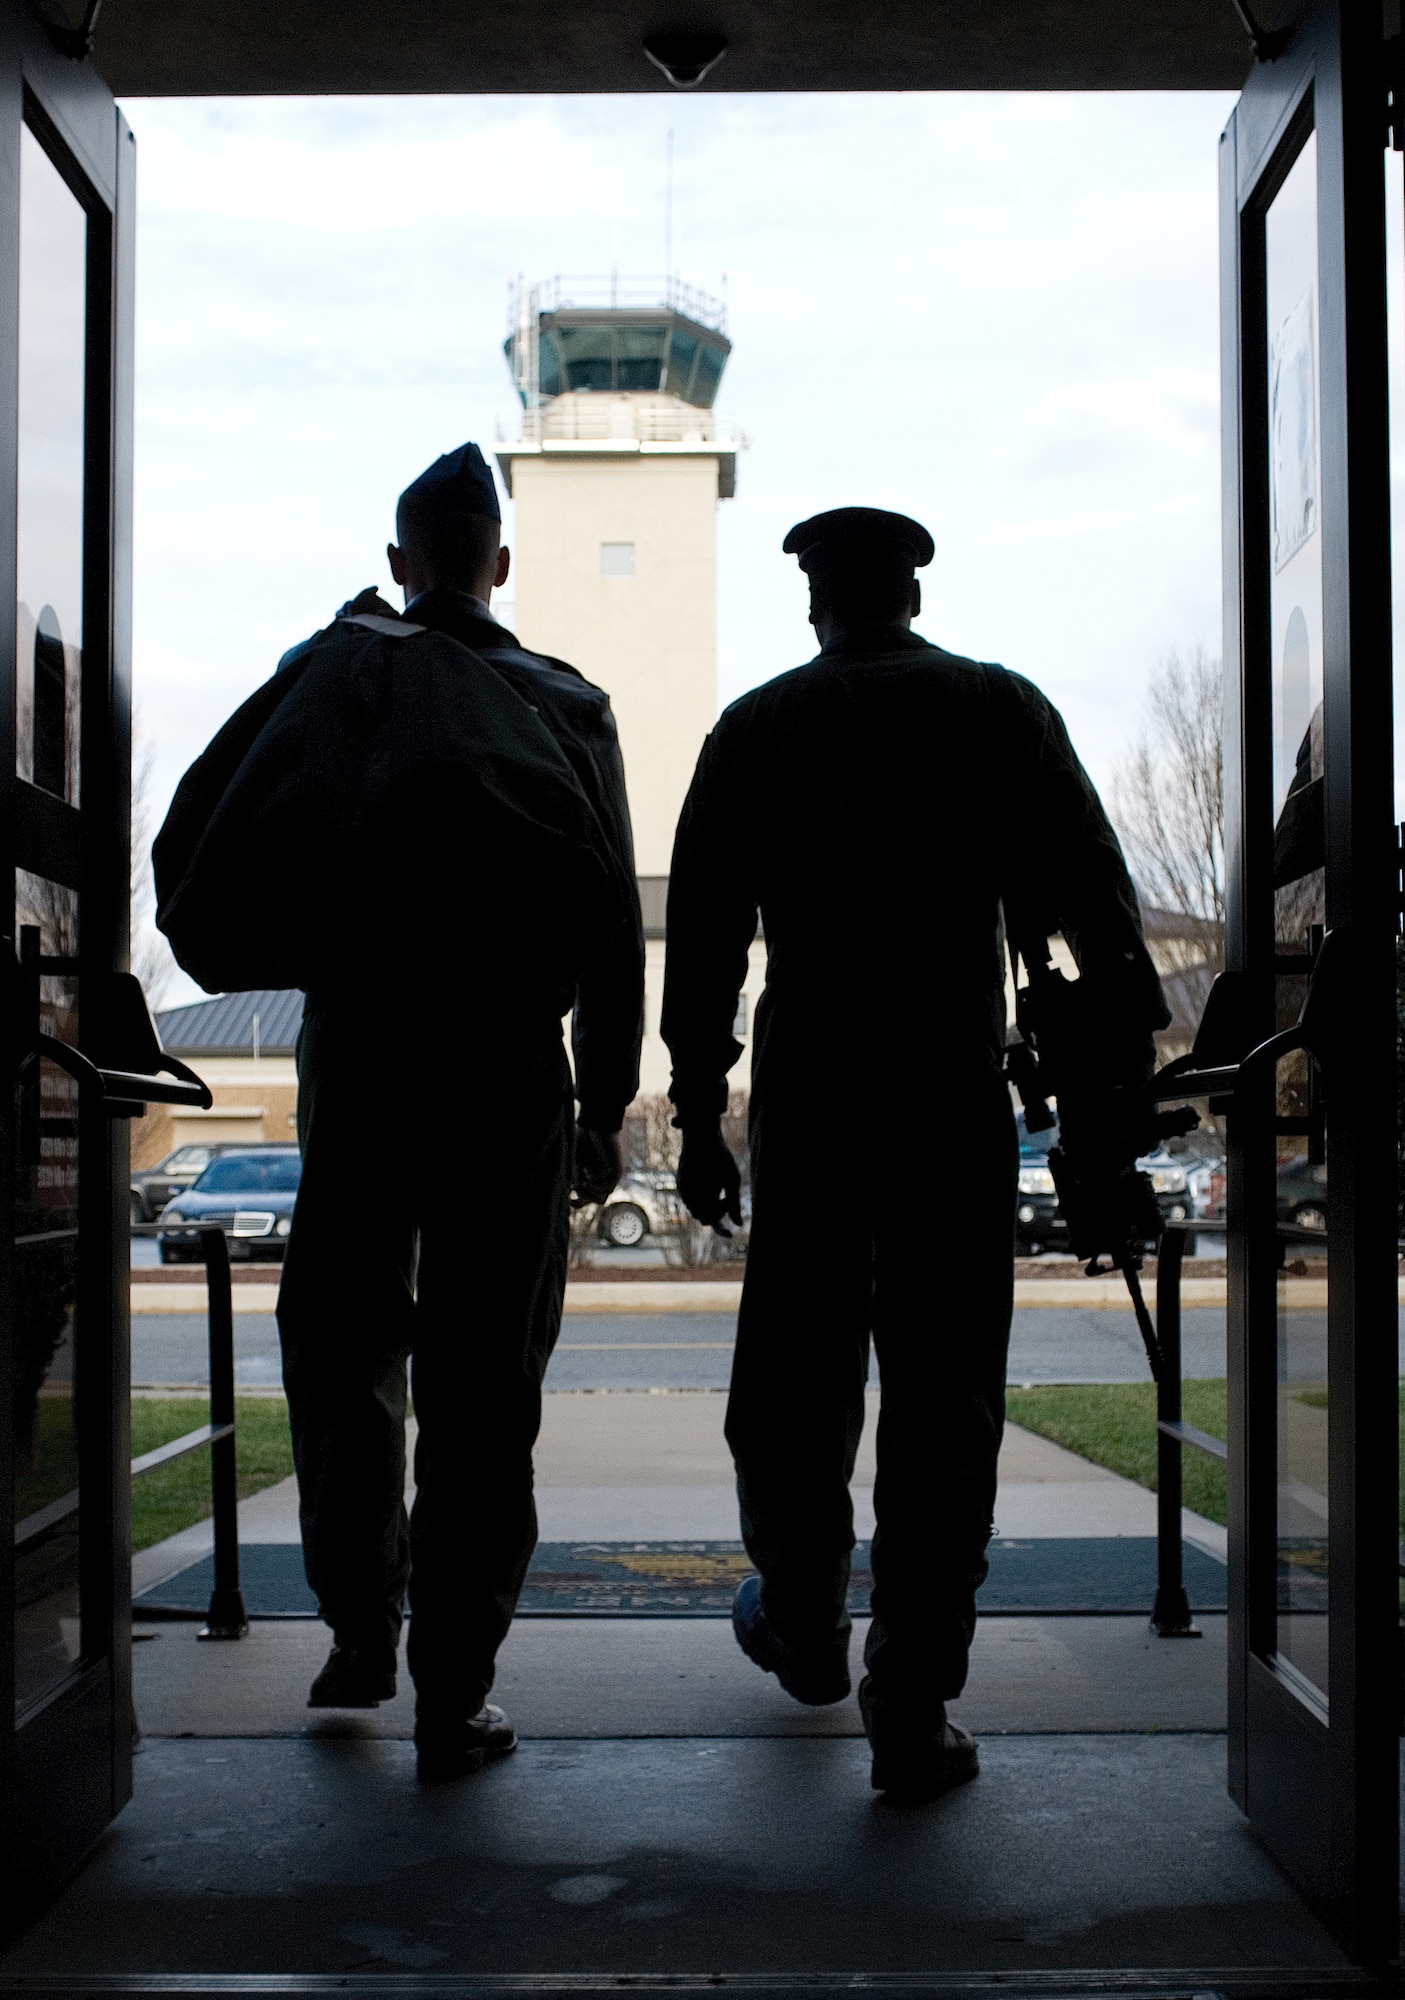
x=597, y=1166
x=708, y=1179
x=1109, y=1206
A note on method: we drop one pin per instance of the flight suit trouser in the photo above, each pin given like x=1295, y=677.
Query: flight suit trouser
x=905, y=1235
x=428, y=1237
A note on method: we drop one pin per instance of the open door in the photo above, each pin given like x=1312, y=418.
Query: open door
x=1315, y=1684
x=66, y=173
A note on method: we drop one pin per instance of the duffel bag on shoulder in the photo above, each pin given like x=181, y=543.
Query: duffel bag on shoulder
x=387, y=797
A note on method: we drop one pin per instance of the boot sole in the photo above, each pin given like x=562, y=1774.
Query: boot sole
x=358, y=1700
x=810, y=1694
x=909, y=1787
x=432, y=1769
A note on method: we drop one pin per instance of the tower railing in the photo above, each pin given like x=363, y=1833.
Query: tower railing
x=614, y=292
x=589, y=419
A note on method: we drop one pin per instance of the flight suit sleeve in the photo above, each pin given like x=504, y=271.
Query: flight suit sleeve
x=1071, y=878
x=712, y=911
x=607, y=1025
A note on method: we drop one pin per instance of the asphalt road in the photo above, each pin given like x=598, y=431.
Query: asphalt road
x=694, y=1350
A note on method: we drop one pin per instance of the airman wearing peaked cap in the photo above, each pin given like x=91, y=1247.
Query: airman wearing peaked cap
x=849, y=533
x=879, y=809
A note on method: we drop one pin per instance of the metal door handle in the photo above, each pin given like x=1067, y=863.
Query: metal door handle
x=120, y=1087
x=138, y=1070
x=1194, y=1076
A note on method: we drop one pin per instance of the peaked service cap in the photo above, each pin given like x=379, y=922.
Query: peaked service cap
x=460, y=482
x=845, y=531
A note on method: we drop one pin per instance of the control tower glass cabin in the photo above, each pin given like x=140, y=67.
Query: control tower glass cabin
x=615, y=479
x=640, y=335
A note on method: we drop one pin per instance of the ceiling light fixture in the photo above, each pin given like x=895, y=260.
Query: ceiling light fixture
x=685, y=58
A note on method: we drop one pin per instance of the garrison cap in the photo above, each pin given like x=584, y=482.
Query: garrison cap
x=458, y=483
x=863, y=532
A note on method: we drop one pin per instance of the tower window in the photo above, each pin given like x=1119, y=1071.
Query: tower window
x=617, y=559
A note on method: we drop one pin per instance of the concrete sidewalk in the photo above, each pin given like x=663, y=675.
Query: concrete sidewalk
x=637, y=1468
x=631, y=1467
x=1077, y=1294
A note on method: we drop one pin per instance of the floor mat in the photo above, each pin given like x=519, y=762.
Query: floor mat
x=1104, y=1573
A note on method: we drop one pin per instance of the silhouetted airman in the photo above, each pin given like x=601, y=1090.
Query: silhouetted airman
x=440, y=1150
x=880, y=807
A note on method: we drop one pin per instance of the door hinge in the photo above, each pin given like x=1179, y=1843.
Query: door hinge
x=1265, y=42
x=77, y=43
x=1394, y=49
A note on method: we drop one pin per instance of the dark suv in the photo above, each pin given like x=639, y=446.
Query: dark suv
x=154, y=1186
x=1039, y=1222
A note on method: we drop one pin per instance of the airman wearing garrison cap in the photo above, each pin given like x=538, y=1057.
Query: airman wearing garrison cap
x=880, y=808
x=484, y=1103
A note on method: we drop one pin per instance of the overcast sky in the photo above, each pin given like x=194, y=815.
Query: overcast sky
x=998, y=314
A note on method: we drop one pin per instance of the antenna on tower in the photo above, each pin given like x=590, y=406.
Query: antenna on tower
x=668, y=213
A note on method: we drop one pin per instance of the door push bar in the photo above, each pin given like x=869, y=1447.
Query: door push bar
x=1213, y=1068
x=132, y=1070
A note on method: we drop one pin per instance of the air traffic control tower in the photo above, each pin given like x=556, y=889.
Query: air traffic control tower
x=616, y=478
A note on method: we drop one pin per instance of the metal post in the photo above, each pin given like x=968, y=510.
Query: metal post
x=1170, y=1616
x=226, y=1617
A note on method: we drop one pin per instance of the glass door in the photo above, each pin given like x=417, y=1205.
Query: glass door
x=1314, y=1659
x=65, y=368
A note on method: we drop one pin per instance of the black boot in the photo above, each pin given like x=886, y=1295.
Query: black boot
x=354, y=1677
x=452, y=1745
x=917, y=1753
x=816, y=1677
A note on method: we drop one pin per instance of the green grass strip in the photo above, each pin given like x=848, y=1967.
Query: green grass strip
x=175, y=1496
x=1114, y=1425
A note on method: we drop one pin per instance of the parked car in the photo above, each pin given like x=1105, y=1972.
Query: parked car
x=1302, y=1194
x=1171, y=1185
x=643, y=1204
x=1039, y=1222
x=646, y=1204
x=153, y=1187
x=248, y=1194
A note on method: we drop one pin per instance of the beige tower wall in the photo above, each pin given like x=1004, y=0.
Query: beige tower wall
x=650, y=639
x=655, y=1064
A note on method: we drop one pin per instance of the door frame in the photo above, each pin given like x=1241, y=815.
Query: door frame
x=76, y=1748
x=1323, y=1795
x=66, y=1765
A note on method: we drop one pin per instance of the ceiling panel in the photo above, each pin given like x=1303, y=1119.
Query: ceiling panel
x=203, y=47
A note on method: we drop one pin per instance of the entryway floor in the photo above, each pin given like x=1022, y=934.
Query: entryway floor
x=615, y=1678
x=767, y=1855
x=670, y=1810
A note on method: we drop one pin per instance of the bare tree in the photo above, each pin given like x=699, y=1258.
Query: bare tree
x=584, y=1222
x=1168, y=804
x=1168, y=792
x=151, y=955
